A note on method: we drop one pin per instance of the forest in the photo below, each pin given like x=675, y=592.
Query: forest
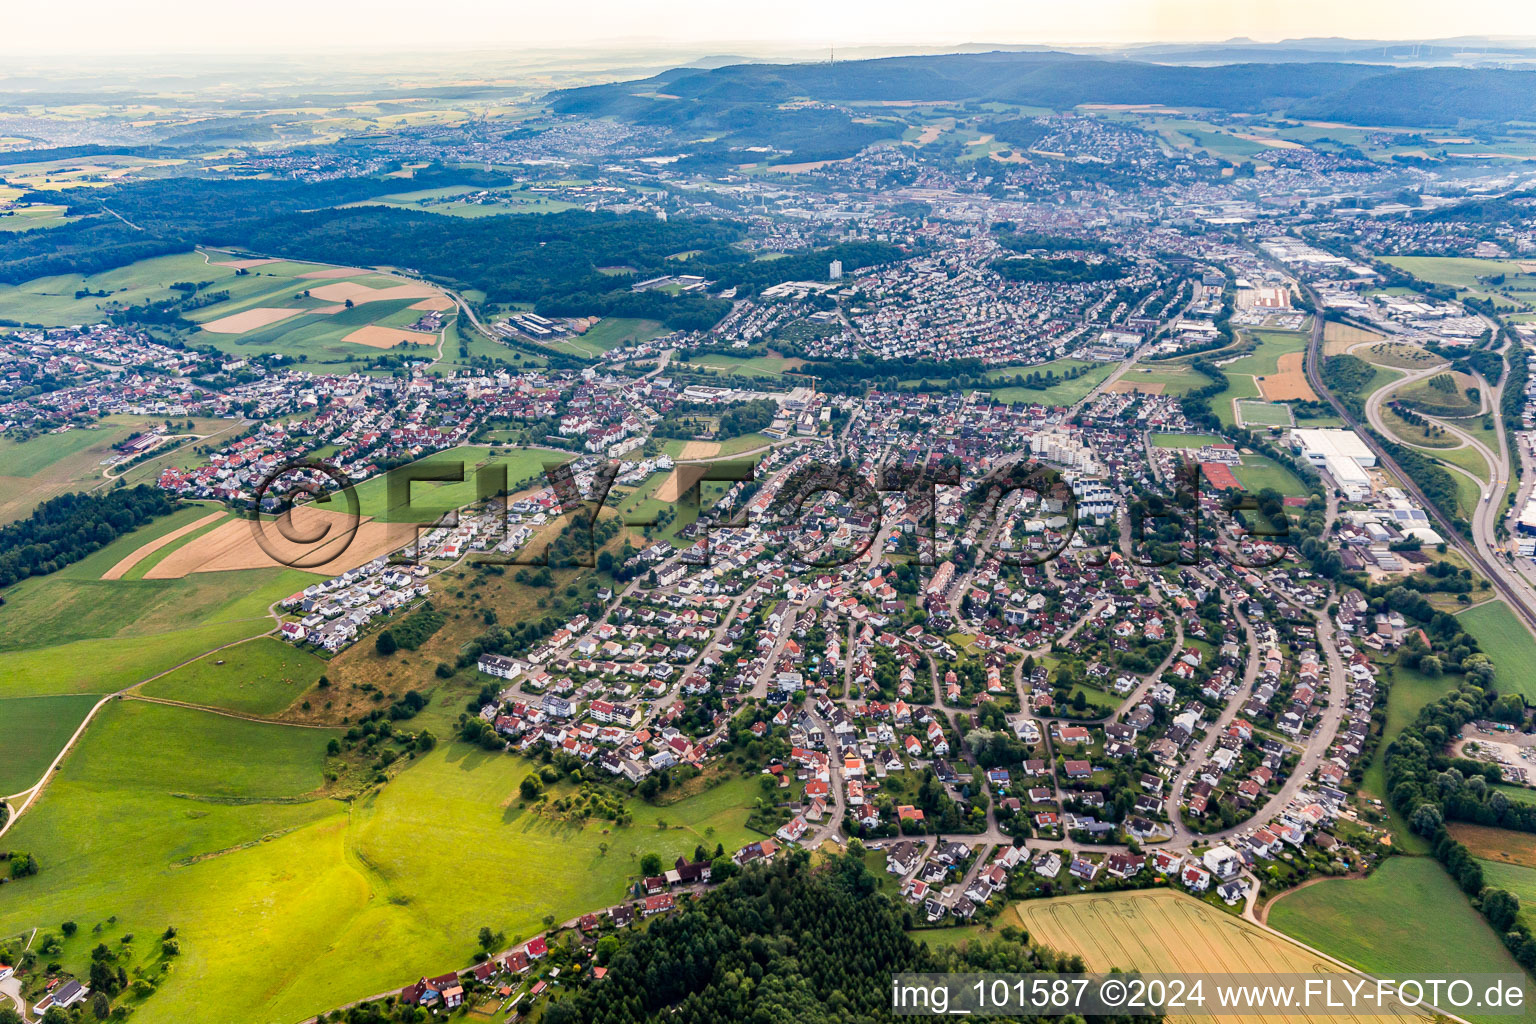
x=65, y=529
x=783, y=942
x=1060, y=271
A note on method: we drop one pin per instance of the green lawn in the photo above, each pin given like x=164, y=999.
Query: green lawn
x=1408, y=919
x=259, y=677
x=1264, y=360
x=1407, y=693
x=524, y=466
x=35, y=730
x=1185, y=440
x=1507, y=642
x=51, y=300
x=74, y=632
x=1239, y=386
x=1259, y=471
x=287, y=903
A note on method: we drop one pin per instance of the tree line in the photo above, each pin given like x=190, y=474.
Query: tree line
x=63, y=530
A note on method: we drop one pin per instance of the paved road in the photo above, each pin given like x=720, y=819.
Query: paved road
x=1509, y=585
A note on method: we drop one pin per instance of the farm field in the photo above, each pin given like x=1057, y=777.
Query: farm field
x=1159, y=931
x=1063, y=392
x=258, y=677
x=1496, y=844
x=1162, y=379
x=611, y=333
x=35, y=216
x=1516, y=879
x=287, y=902
x=1508, y=643
x=1407, y=919
x=36, y=729
x=1462, y=273
x=51, y=301
x=46, y=466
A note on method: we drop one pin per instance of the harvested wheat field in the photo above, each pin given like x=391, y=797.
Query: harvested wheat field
x=375, y=336
x=143, y=551
x=699, y=450
x=1167, y=932
x=1495, y=844
x=436, y=302
x=1338, y=338
x=682, y=478
x=238, y=545
x=1289, y=383
x=1128, y=387
x=329, y=272
x=249, y=320
x=345, y=291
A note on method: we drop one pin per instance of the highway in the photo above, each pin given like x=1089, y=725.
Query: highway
x=1510, y=586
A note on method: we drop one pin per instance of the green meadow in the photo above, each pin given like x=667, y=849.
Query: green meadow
x=51, y=300
x=46, y=466
x=259, y=677
x=287, y=902
x=1407, y=692
x=1407, y=919
x=74, y=632
x=1507, y=642
x=1264, y=360
x=36, y=729
x=525, y=467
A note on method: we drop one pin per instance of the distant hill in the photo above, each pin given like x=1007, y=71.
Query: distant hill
x=717, y=99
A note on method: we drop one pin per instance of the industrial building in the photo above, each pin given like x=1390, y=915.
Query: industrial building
x=1341, y=454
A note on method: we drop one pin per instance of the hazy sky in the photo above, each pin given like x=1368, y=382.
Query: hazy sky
x=296, y=25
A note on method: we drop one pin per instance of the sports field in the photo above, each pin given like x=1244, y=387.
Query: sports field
x=1508, y=643
x=1258, y=472
x=1265, y=414
x=1159, y=931
x=259, y=677
x=1407, y=919
x=287, y=902
x=1185, y=440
